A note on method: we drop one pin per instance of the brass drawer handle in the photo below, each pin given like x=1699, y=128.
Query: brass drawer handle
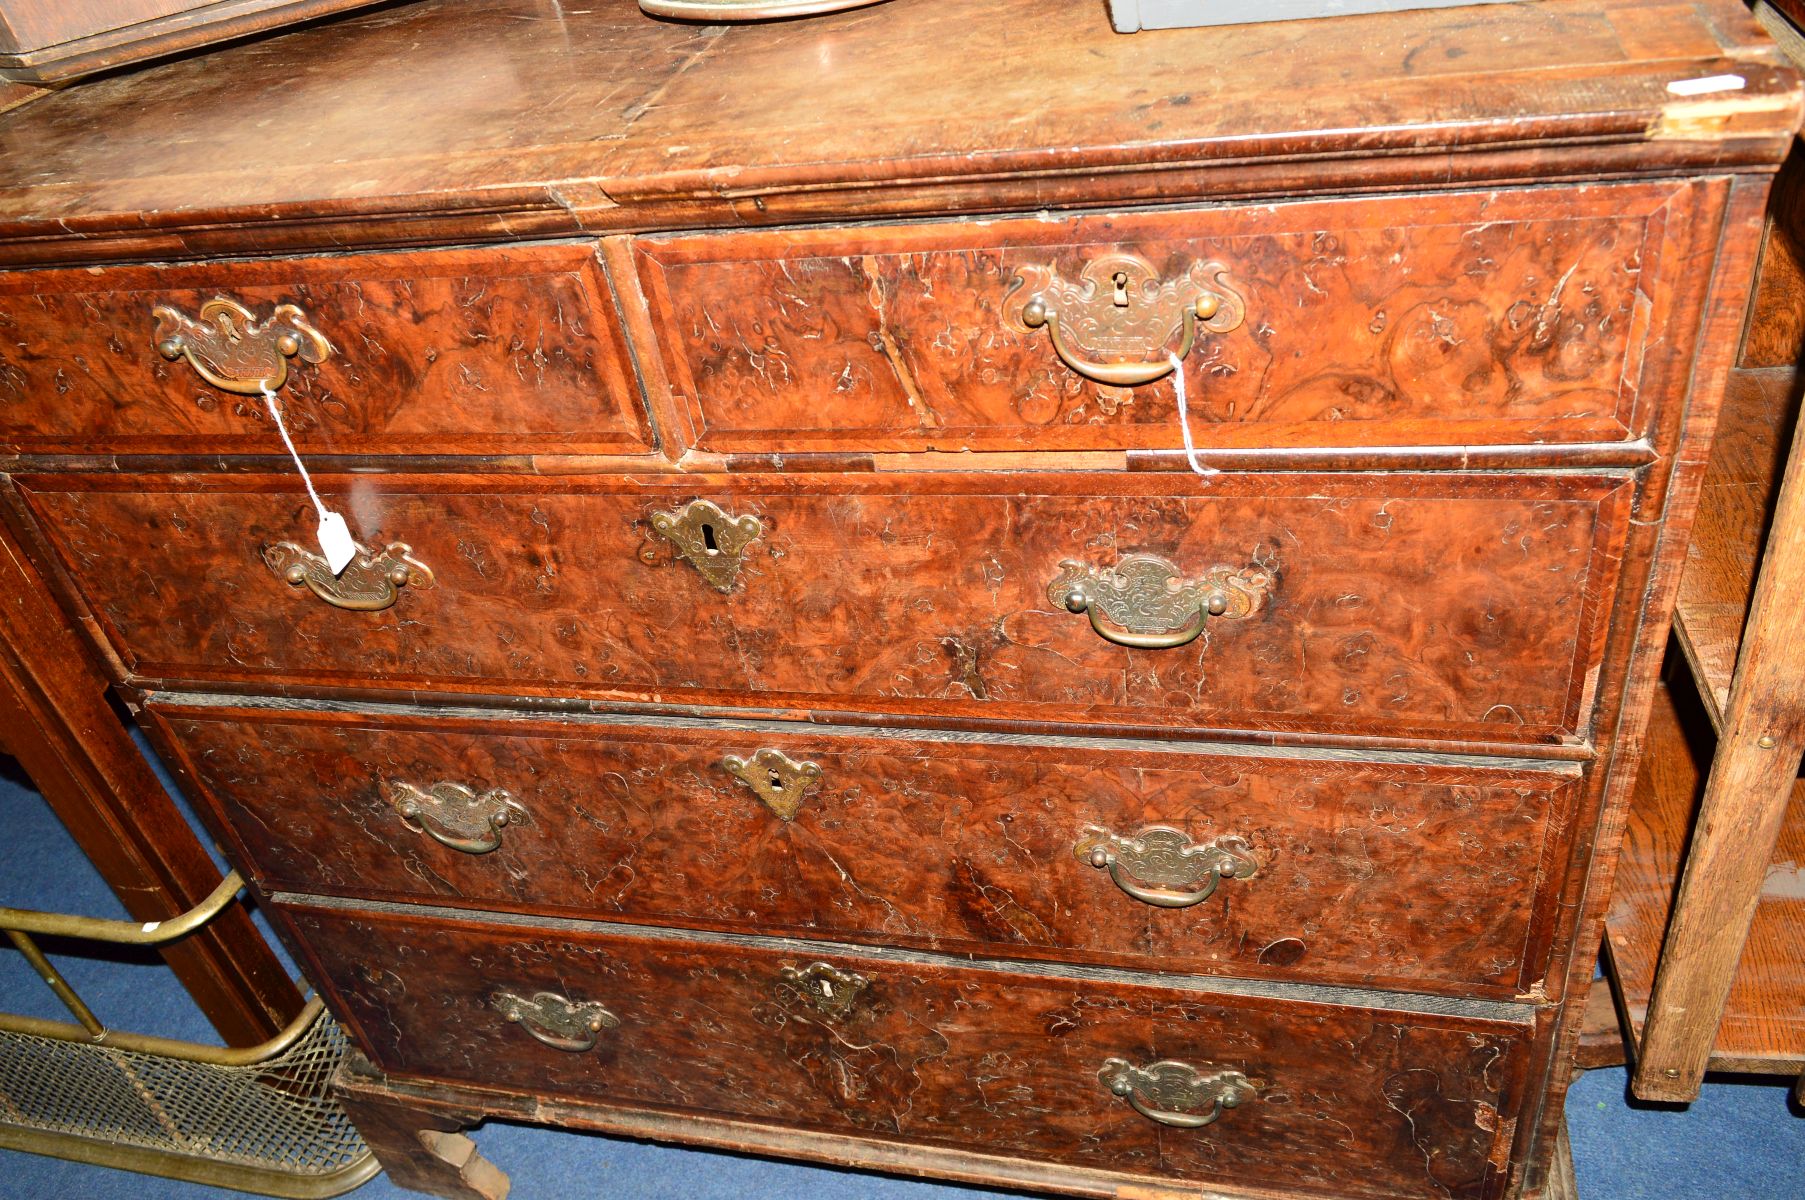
x=1169, y=1093
x=1119, y=309
x=777, y=780
x=234, y=351
x=1161, y=866
x=823, y=987
x=1149, y=598
x=455, y=816
x=572, y=1026
x=368, y=584
x=710, y=539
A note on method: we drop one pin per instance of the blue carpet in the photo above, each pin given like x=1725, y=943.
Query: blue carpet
x=1740, y=1140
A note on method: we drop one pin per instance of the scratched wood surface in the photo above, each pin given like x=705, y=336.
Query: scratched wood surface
x=454, y=120
x=1428, y=606
x=1436, y=872
x=1476, y=318
x=501, y=351
x=1405, y=1105
x=1463, y=612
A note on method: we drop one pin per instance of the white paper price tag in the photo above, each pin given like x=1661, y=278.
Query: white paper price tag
x=335, y=541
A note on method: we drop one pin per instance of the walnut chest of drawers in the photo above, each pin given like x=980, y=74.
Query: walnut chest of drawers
x=795, y=690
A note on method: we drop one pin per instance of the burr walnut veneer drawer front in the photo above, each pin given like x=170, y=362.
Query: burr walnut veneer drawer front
x=1331, y=869
x=500, y=351
x=1400, y=605
x=1503, y=317
x=1313, y=1098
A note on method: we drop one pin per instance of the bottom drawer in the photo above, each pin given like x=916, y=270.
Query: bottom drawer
x=1081, y=1067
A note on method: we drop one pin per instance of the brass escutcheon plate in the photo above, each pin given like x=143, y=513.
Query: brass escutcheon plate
x=823, y=987
x=776, y=779
x=709, y=539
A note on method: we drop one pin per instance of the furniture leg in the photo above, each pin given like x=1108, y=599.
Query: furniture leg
x=423, y=1150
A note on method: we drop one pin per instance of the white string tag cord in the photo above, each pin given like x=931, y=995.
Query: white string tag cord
x=335, y=536
x=1184, y=417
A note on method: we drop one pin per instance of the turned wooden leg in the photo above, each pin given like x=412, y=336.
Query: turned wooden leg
x=423, y=1150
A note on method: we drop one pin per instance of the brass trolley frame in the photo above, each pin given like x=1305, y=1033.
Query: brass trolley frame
x=256, y=1118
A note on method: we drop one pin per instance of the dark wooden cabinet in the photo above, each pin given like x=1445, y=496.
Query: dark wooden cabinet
x=1058, y=615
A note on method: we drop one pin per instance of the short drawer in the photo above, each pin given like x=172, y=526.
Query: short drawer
x=514, y=350
x=1394, y=606
x=1480, y=318
x=1307, y=1096
x=1425, y=875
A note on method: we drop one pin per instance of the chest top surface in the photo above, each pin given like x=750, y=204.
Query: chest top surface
x=497, y=118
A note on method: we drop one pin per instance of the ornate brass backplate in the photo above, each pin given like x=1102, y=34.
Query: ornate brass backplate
x=709, y=539
x=746, y=10
x=825, y=988
x=368, y=584
x=1115, y=324
x=234, y=351
x=557, y=1021
x=776, y=779
x=1163, y=867
x=1151, y=598
x=1173, y=1093
x=456, y=816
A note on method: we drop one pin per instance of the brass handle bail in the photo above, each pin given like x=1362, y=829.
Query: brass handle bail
x=456, y=816
x=1150, y=603
x=572, y=1026
x=370, y=583
x=1170, y=1092
x=235, y=352
x=1115, y=323
x=1163, y=867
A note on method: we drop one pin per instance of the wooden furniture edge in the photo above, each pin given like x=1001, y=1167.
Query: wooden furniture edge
x=59, y=725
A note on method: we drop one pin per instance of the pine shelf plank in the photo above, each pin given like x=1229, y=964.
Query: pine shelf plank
x=1763, y=1028
x=1735, y=505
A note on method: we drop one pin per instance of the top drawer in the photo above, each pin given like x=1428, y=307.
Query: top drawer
x=1501, y=318
x=498, y=351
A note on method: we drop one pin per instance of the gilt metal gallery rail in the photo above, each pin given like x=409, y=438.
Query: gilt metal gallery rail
x=257, y=1119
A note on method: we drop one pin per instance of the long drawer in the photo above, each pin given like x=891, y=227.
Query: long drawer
x=1306, y=866
x=1479, y=318
x=514, y=350
x=1309, y=1095
x=1401, y=605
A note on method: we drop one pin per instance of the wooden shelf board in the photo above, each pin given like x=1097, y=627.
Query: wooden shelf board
x=1753, y=436
x=1763, y=1028
x=1601, y=1041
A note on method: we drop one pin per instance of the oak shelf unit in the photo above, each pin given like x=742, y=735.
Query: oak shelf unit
x=1763, y=1025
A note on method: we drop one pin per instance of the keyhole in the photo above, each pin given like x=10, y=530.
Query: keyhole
x=1121, y=282
x=708, y=541
x=776, y=782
